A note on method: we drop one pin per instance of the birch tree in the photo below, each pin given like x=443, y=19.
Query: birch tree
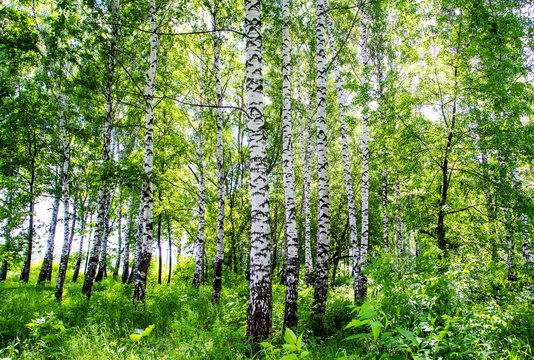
x=148, y=160
x=323, y=212
x=360, y=280
x=292, y=260
x=221, y=193
x=49, y=253
x=259, y=320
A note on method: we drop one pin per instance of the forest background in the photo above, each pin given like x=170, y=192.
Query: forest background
x=289, y=179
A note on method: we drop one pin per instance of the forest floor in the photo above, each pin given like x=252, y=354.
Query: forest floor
x=416, y=312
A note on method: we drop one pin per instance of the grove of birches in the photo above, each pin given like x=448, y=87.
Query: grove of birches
x=276, y=179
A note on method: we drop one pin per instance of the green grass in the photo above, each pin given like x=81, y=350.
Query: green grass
x=424, y=314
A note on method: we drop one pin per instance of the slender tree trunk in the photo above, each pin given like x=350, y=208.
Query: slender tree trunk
x=65, y=253
x=344, y=142
x=138, y=238
x=103, y=194
x=526, y=250
x=259, y=320
x=398, y=221
x=126, y=241
x=305, y=156
x=119, y=239
x=360, y=280
x=88, y=247
x=148, y=161
x=80, y=251
x=160, y=259
x=170, y=248
x=3, y=270
x=292, y=260
x=47, y=260
x=221, y=186
x=323, y=216
x=25, y=272
x=103, y=264
x=199, y=244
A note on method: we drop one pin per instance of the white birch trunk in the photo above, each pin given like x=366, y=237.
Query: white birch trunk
x=148, y=161
x=127, y=232
x=360, y=280
x=221, y=193
x=198, y=276
x=292, y=260
x=259, y=319
x=49, y=254
x=80, y=249
x=323, y=212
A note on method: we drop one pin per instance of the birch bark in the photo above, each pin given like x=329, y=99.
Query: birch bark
x=323, y=212
x=259, y=320
x=292, y=260
x=148, y=161
x=47, y=260
x=221, y=193
x=360, y=280
x=127, y=233
x=80, y=249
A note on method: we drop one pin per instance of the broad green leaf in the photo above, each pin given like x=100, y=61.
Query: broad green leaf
x=375, y=327
x=290, y=336
x=290, y=347
x=409, y=335
x=289, y=357
x=135, y=337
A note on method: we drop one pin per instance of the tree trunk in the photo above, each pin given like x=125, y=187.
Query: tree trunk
x=305, y=157
x=160, y=259
x=398, y=221
x=3, y=270
x=103, y=193
x=126, y=240
x=199, y=244
x=360, y=280
x=65, y=253
x=292, y=259
x=323, y=216
x=103, y=264
x=259, y=320
x=344, y=142
x=148, y=161
x=138, y=238
x=80, y=251
x=170, y=248
x=47, y=260
x=221, y=186
x=119, y=238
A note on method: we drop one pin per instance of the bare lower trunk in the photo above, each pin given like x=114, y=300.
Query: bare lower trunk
x=360, y=280
x=103, y=264
x=259, y=320
x=221, y=187
x=292, y=258
x=199, y=244
x=148, y=160
x=170, y=248
x=48, y=257
x=80, y=250
x=160, y=259
x=119, y=239
x=65, y=253
x=3, y=270
x=126, y=241
x=25, y=273
x=323, y=212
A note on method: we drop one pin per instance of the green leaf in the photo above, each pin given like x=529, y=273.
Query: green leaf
x=299, y=342
x=375, y=327
x=357, y=336
x=409, y=335
x=135, y=337
x=290, y=336
x=290, y=347
x=303, y=354
x=289, y=357
x=356, y=323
